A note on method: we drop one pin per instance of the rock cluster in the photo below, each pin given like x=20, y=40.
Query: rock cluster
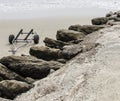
x=111, y=18
x=17, y=73
x=11, y=88
x=21, y=71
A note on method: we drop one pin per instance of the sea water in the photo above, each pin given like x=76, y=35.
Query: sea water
x=22, y=8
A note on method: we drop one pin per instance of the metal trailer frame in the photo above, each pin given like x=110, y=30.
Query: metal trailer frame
x=13, y=39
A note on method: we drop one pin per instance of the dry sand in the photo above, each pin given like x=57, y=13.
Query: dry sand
x=46, y=27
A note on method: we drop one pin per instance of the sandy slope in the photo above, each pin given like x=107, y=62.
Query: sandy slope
x=91, y=76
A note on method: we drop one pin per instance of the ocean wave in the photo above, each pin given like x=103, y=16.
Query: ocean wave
x=27, y=5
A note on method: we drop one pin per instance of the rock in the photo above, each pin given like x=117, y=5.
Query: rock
x=92, y=28
x=27, y=66
x=52, y=71
x=54, y=43
x=11, y=88
x=69, y=35
x=33, y=70
x=117, y=19
x=6, y=74
x=55, y=65
x=89, y=46
x=18, y=59
x=87, y=29
x=1, y=79
x=118, y=15
x=117, y=12
x=45, y=53
x=76, y=28
x=29, y=80
x=70, y=51
x=112, y=18
x=99, y=21
x=62, y=60
x=109, y=14
x=24, y=55
x=75, y=41
x=112, y=22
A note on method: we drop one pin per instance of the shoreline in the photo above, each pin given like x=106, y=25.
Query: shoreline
x=45, y=23
x=83, y=56
x=47, y=13
x=43, y=27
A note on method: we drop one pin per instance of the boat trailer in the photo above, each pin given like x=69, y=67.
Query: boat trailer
x=15, y=39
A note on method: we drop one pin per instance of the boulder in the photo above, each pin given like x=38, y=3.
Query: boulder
x=112, y=18
x=55, y=65
x=92, y=28
x=29, y=66
x=18, y=59
x=99, y=21
x=45, y=53
x=117, y=12
x=54, y=43
x=11, y=88
x=76, y=28
x=35, y=68
x=6, y=74
x=117, y=19
x=115, y=23
x=69, y=35
x=109, y=14
x=89, y=46
x=30, y=80
x=75, y=41
x=86, y=29
x=1, y=79
x=70, y=51
x=112, y=22
x=62, y=60
x=118, y=15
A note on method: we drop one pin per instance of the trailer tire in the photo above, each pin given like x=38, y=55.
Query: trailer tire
x=36, y=39
x=11, y=38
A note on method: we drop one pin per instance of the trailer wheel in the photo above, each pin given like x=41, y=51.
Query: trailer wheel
x=11, y=38
x=36, y=39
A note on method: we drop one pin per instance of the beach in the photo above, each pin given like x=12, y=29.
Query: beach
x=43, y=27
x=45, y=24
x=45, y=17
x=77, y=57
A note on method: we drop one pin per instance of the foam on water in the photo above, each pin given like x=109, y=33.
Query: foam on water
x=15, y=6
